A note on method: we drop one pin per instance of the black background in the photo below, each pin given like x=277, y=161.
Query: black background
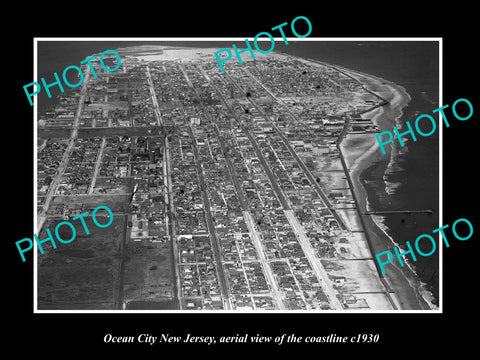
x=60, y=335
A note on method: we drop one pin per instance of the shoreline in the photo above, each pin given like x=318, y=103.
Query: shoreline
x=409, y=290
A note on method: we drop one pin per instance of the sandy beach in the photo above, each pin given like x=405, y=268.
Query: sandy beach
x=360, y=151
x=167, y=53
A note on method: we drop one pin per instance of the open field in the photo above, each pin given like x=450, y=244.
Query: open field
x=113, y=186
x=148, y=274
x=129, y=131
x=116, y=203
x=82, y=272
x=54, y=133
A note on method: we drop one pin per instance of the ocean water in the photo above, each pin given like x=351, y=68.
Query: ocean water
x=406, y=181
x=409, y=180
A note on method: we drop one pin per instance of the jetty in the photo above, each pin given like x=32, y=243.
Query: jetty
x=385, y=212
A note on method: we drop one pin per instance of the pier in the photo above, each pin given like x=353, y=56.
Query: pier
x=385, y=212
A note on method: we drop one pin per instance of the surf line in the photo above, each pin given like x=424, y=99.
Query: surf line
x=57, y=234
x=417, y=127
x=421, y=252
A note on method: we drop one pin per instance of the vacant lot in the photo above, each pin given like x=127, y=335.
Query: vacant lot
x=113, y=185
x=119, y=131
x=148, y=273
x=53, y=133
x=83, y=274
x=117, y=203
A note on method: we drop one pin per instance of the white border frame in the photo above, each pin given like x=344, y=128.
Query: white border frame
x=144, y=39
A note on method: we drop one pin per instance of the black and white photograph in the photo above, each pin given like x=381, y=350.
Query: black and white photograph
x=217, y=180
x=247, y=186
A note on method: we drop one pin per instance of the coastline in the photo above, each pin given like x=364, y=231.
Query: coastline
x=410, y=293
x=409, y=290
